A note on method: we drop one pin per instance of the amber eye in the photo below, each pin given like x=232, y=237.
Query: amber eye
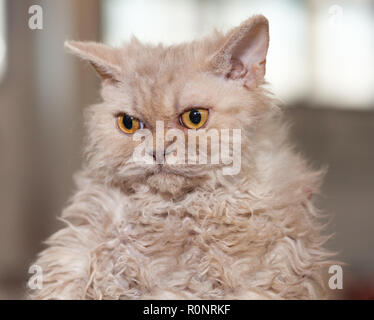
x=129, y=124
x=194, y=118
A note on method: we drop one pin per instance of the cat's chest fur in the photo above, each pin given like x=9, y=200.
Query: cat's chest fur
x=202, y=246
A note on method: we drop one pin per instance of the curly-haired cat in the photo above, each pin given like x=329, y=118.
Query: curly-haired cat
x=144, y=231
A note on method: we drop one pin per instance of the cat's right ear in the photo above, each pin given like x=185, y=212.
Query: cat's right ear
x=103, y=58
x=243, y=55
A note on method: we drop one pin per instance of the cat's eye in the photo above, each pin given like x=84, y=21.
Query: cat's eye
x=129, y=124
x=194, y=118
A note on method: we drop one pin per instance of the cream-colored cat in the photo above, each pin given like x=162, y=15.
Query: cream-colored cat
x=136, y=230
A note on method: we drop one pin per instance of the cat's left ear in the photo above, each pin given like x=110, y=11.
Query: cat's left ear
x=103, y=58
x=243, y=54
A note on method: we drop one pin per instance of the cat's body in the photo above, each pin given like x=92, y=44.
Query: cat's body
x=136, y=231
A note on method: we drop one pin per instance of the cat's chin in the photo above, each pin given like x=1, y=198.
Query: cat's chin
x=170, y=183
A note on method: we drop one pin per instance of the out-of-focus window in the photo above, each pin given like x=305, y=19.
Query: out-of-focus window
x=2, y=38
x=343, y=35
x=321, y=51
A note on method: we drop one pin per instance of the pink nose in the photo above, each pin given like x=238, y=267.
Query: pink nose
x=160, y=154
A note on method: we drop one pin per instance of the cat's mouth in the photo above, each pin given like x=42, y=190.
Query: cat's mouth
x=169, y=180
x=164, y=170
x=163, y=180
x=186, y=172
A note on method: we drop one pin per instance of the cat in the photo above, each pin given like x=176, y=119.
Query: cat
x=187, y=231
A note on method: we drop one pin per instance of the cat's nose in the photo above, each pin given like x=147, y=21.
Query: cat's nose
x=160, y=155
x=161, y=151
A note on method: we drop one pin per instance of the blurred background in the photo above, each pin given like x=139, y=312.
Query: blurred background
x=320, y=63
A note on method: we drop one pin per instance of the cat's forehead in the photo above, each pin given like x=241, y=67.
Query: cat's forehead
x=155, y=75
x=165, y=63
x=152, y=100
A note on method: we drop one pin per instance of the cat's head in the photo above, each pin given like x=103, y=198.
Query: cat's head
x=214, y=83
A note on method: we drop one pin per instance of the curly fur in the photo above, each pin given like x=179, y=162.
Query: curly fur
x=188, y=232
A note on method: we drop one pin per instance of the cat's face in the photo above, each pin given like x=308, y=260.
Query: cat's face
x=202, y=87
